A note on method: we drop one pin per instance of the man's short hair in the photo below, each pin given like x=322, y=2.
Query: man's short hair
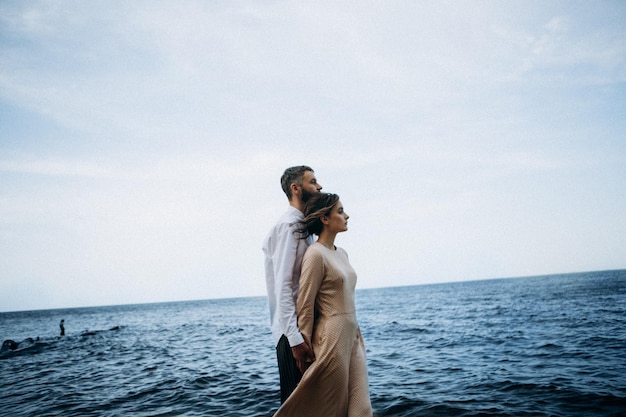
x=293, y=175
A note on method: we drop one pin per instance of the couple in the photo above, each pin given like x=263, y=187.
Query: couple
x=310, y=285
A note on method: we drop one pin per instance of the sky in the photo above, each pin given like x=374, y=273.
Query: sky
x=142, y=143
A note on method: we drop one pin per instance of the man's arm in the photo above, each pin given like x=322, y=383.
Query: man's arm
x=284, y=258
x=303, y=354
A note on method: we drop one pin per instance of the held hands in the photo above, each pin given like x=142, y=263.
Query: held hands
x=303, y=354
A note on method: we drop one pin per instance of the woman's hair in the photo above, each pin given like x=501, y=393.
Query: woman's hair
x=319, y=205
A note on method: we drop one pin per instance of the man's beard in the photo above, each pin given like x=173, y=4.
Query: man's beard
x=306, y=195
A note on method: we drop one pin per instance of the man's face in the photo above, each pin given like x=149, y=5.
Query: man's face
x=309, y=186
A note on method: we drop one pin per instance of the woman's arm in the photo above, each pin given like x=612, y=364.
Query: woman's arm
x=311, y=278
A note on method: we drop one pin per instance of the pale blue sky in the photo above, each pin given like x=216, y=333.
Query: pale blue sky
x=141, y=143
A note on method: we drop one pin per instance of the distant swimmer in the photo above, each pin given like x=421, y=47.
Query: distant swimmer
x=62, y=327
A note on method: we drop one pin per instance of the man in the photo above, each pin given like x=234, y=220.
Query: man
x=283, y=249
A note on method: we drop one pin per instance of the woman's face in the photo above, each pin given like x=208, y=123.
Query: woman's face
x=338, y=219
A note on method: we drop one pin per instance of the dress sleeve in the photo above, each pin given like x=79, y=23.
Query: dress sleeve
x=311, y=278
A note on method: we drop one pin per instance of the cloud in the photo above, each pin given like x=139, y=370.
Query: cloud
x=144, y=141
x=48, y=167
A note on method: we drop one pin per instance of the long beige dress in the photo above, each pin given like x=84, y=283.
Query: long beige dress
x=336, y=384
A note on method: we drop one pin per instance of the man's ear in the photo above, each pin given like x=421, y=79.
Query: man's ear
x=294, y=189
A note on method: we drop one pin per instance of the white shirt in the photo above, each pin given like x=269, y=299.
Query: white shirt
x=283, y=251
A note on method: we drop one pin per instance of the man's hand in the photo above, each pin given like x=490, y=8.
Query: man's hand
x=303, y=354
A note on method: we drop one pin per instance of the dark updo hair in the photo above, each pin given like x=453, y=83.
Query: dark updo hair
x=319, y=205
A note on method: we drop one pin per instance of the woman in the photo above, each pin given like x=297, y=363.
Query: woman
x=335, y=384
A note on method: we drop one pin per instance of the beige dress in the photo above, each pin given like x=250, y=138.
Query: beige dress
x=336, y=384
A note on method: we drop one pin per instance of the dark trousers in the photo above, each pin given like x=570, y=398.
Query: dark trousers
x=287, y=369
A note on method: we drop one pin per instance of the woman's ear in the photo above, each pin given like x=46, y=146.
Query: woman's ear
x=324, y=219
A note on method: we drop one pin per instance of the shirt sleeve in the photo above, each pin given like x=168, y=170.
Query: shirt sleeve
x=311, y=278
x=285, y=258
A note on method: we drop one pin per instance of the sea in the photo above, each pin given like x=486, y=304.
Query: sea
x=536, y=346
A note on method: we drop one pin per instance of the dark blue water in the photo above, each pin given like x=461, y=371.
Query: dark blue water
x=541, y=346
